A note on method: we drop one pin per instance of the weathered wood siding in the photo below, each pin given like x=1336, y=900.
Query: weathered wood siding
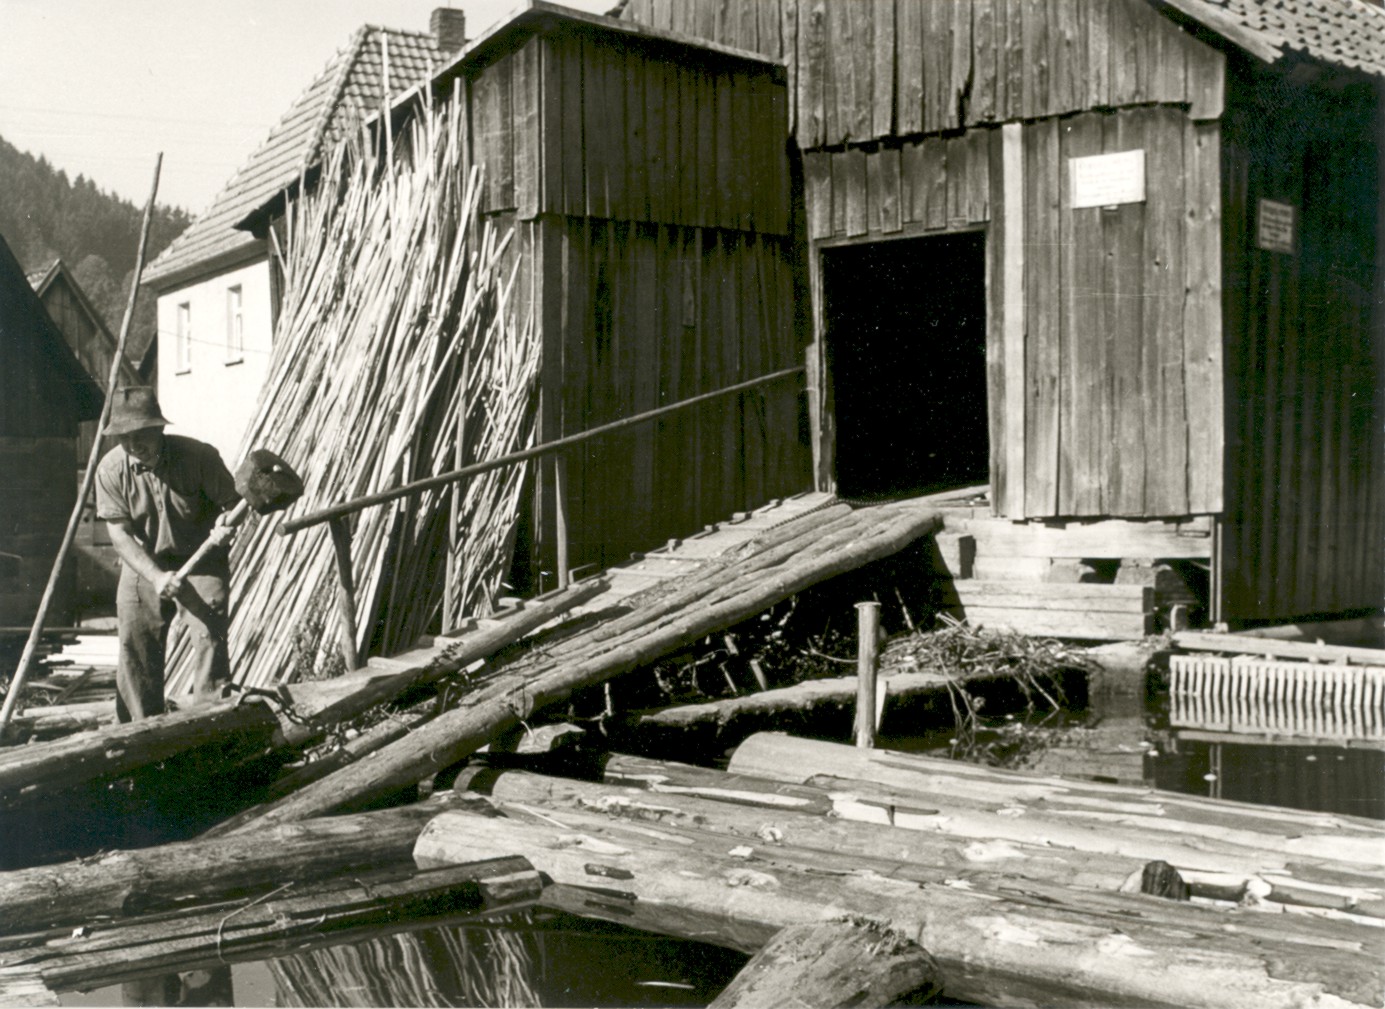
x=866, y=70
x=589, y=125
x=635, y=316
x=649, y=189
x=1305, y=335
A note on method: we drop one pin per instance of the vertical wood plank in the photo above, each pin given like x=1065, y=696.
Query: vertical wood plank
x=960, y=61
x=937, y=62
x=1068, y=45
x=1080, y=381
x=839, y=188
x=571, y=58
x=935, y=172
x=860, y=55
x=637, y=75
x=882, y=19
x=1043, y=309
x=996, y=378
x=595, y=131
x=909, y=43
x=661, y=171
x=1036, y=82
x=812, y=54
x=1206, y=70
x=528, y=151
x=1202, y=334
x=617, y=162
x=885, y=188
x=1015, y=66
x=838, y=82
x=1124, y=457
x=769, y=33
x=958, y=170
x=1170, y=72
x=1165, y=420
x=913, y=194
x=982, y=108
x=550, y=127
x=817, y=195
x=788, y=35
x=1098, y=67
x=857, y=209
x=1125, y=53
x=1013, y=266
x=743, y=179
x=689, y=193
x=978, y=177
x=708, y=184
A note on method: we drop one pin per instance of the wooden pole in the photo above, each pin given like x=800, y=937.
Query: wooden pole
x=88, y=478
x=867, y=668
x=562, y=553
x=346, y=591
x=443, y=479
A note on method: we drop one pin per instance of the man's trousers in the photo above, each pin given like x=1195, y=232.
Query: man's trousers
x=144, y=620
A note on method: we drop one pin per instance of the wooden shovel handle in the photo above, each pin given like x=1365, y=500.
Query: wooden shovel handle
x=234, y=518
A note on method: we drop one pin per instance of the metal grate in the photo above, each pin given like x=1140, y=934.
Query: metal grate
x=1244, y=693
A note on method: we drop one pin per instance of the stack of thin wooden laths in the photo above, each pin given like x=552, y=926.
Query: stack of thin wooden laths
x=395, y=358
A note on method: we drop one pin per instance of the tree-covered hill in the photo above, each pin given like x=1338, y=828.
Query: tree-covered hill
x=45, y=215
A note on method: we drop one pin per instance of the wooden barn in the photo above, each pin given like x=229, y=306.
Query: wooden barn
x=1111, y=263
x=1125, y=268
x=45, y=394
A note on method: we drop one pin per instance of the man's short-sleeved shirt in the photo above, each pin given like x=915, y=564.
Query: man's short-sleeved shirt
x=173, y=506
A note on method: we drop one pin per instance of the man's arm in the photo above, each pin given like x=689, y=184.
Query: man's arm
x=131, y=549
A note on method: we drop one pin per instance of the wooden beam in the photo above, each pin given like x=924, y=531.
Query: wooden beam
x=1012, y=295
x=1208, y=641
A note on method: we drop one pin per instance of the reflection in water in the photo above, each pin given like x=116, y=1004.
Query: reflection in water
x=432, y=967
x=540, y=958
x=210, y=987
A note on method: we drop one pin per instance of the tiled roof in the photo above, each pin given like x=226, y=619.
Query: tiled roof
x=1344, y=33
x=347, y=90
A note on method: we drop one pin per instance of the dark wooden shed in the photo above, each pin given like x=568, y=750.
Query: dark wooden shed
x=44, y=394
x=647, y=177
x=1117, y=259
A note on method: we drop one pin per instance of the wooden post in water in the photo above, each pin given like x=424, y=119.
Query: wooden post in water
x=867, y=666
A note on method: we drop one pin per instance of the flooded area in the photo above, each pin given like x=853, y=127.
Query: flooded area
x=549, y=958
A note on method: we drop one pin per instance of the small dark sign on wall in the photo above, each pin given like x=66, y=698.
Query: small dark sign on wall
x=1275, y=229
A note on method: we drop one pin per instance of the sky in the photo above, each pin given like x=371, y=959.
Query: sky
x=100, y=87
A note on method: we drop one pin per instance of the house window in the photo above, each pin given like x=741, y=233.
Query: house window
x=182, y=344
x=235, y=326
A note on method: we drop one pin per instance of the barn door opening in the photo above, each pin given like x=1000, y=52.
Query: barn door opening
x=906, y=346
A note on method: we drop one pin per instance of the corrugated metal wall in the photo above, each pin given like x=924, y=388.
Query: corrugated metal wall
x=1305, y=523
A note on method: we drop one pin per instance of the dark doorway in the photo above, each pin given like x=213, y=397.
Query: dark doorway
x=906, y=345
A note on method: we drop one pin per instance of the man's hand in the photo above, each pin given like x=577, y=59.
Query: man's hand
x=168, y=585
x=223, y=531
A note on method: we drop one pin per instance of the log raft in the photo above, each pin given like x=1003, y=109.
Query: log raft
x=1016, y=943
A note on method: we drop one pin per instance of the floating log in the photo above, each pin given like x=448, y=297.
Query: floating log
x=800, y=553
x=41, y=770
x=900, y=854
x=731, y=719
x=752, y=809
x=1023, y=945
x=122, y=883
x=831, y=964
x=290, y=918
x=1317, y=859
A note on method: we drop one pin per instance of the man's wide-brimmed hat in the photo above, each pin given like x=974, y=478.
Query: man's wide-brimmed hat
x=133, y=409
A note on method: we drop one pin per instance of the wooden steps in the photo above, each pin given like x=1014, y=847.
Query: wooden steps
x=1105, y=580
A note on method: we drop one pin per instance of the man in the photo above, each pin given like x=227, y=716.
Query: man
x=161, y=496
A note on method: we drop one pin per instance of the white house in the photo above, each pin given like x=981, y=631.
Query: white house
x=216, y=285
